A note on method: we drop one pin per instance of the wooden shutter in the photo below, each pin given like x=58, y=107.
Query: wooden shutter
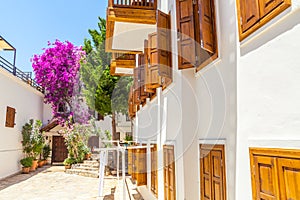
x=266, y=6
x=169, y=173
x=265, y=177
x=289, y=178
x=131, y=105
x=147, y=66
x=10, y=117
x=249, y=13
x=142, y=78
x=186, y=34
x=136, y=92
x=212, y=172
x=207, y=25
x=164, y=46
x=153, y=76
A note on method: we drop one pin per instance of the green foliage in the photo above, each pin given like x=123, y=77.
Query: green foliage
x=46, y=151
x=128, y=138
x=33, y=140
x=104, y=93
x=69, y=161
x=76, y=139
x=26, y=162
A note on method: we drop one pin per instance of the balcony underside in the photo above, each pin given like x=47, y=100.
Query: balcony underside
x=127, y=28
x=122, y=67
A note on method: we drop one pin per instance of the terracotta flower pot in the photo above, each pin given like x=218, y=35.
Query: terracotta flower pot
x=34, y=165
x=45, y=162
x=25, y=170
x=41, y=163
x=67, y=166
x=87, y=156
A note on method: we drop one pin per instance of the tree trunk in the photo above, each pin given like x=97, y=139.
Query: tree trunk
x=114, y=127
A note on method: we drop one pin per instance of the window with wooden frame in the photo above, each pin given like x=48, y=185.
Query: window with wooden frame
x=169, y=172
x=197, y=36
x=275, y=173
x=252, y=14
x=10, y=117
x=212, y=172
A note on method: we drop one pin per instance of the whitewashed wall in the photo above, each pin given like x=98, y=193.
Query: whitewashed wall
x=268, y=92
x=198, y=106
x=28, y=103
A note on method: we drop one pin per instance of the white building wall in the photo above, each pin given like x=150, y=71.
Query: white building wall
x=199, y=106
x=268, y=92
x=28, y=103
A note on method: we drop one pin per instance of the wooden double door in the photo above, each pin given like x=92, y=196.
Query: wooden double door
x=59, y=149
x=169, y=173
x=275, y=174
x=212, y=172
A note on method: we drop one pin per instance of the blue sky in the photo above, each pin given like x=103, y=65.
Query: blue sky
x=29, y=24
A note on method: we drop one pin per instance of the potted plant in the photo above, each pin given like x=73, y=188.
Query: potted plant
x=26, y=163
x=46, y=153
x=87, y=152
x=68, y=162
x=33, y=141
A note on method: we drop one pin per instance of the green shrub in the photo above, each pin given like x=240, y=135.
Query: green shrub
x=26, y=162
x=46, y=151
x=69, y=161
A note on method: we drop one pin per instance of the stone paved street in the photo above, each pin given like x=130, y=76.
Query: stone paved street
x=52, y=183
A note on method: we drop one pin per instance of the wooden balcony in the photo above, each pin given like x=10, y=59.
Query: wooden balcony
x=122, y=64
x=120, y=12
x=133, y=11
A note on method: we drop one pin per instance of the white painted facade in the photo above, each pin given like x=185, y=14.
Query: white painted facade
x=247, y=97
x=269, y=92
x=29, y=104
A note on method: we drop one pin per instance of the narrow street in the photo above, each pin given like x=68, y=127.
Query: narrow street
x=51, y=182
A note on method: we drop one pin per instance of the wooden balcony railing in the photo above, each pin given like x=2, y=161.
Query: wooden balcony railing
x=122, y=56
x=136, y=4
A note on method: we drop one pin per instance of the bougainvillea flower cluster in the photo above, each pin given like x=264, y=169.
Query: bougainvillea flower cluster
x=56, y=70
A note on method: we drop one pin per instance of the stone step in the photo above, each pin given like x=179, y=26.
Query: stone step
x=86, y=165
x=85, y=173
x=86, y=168
x=90, y=162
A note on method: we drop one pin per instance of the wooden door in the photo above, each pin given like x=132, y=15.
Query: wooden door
x=59, y=149
x=154, y=178
x=169, y=173
x=212, y=172
x=141, y=165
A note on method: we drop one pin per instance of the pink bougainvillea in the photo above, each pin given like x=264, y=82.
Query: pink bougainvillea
x=57, y=71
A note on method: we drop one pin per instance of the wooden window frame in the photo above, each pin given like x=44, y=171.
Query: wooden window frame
x=200, y=56
x=262, y=20
x=276, y=154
